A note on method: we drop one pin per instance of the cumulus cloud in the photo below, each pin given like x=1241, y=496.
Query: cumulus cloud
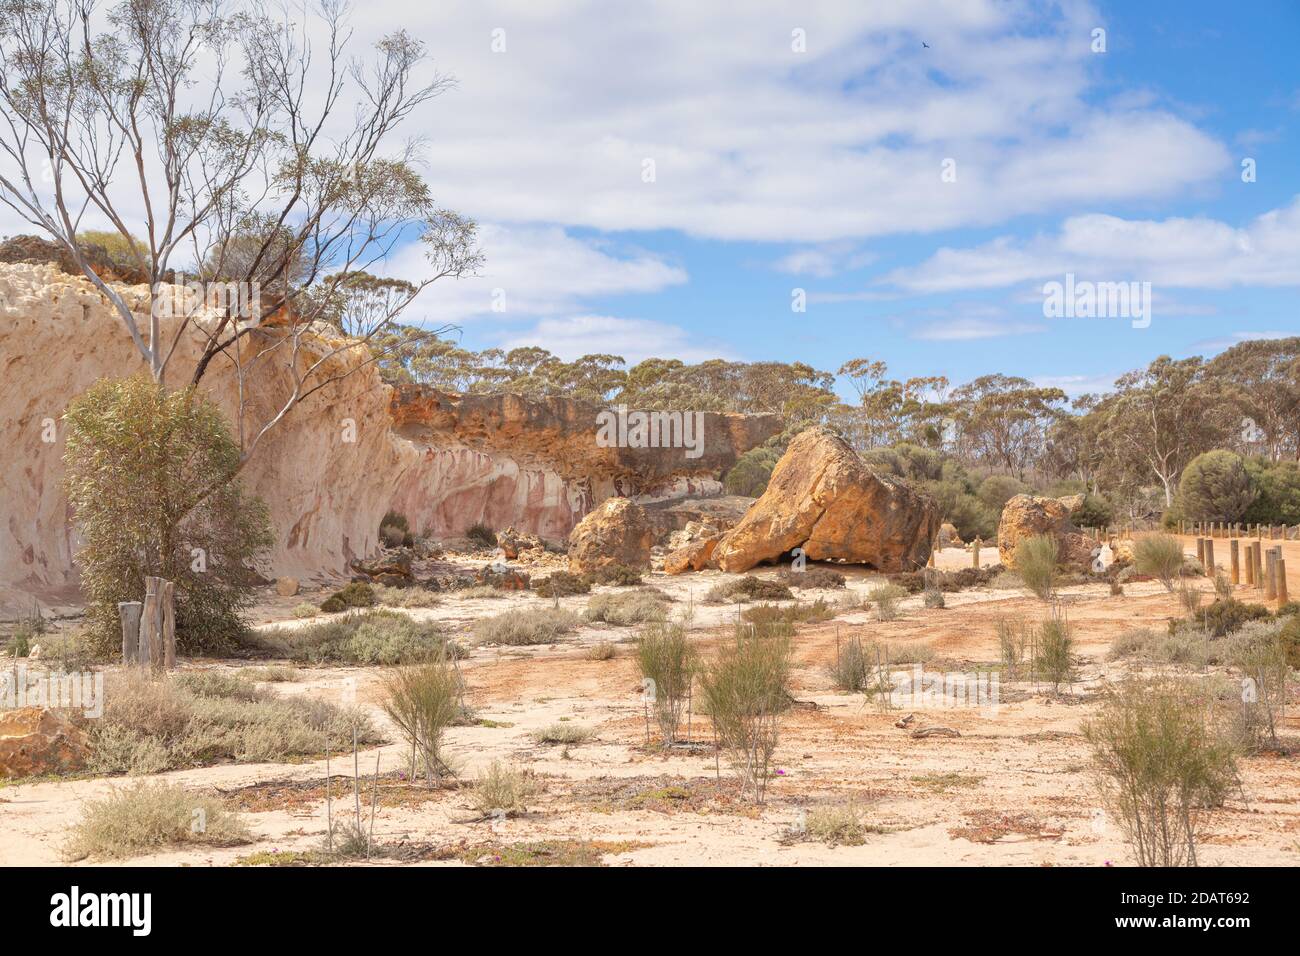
x=633, y=339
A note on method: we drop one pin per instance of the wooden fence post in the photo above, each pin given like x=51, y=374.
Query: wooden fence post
x=1235, y=559
x=149, y=625
x=1282, y=596
x=167, y=595
x=129, y=612
x=1270, y=575
x=1209, y=557
x=975, y=552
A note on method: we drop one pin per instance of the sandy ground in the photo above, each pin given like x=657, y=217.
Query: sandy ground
x=1013, y=789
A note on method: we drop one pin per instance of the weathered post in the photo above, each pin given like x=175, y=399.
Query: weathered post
x=1209, y=557
x=150, y=625
x=129, y=612
x=975, y=552
x=1282, y=596
x=1270, y=575
x=1250, y=564
x=1234, y=559
x=1200, y=551
x=167, y=595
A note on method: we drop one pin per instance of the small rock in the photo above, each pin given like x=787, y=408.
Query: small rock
x=286, y=587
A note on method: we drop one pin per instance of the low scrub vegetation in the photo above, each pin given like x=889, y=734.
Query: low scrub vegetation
x=748, y=588
x=564, y=734
x=503, y=791
x=628, y=607
x=148, y=817
x=1160, y=556
x=561, y=584
x=811, y=578
x=745, y=691
x=1054, y=651
x=480, y=535
x=1036, y=562
x=1160, y=767
x=543, y=625
x=202, y=718
x=914, y=582
x=618, y=575
x=376, y=636
x=797, y=613
x=405, y=597
x=353, y=594
x=835, y=826
x=885, y=598
x=422, y=701
x=667, y=664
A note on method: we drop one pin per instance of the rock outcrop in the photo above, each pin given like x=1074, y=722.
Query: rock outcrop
x=824, y=499
x=1026, y=516
x=37, y=740
x=617, y=532
x=351, y=452
x=693, y=556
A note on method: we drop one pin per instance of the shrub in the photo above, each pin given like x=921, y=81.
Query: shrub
x=933, y=598
x=564, y=734
x=148, y=473
x=667, y=663
x=406, y=597
x=136, y=820
x=914, y=582
x=835, y=826
x=1013, y=638
x=1261, y=654
x=561, y=584
x=353, y=594
x=751, y=472
x=149, y=726
x=603, y=651
x=748, y=588
x=305, y=610
x=851, y=668
x=376, y=636
x=1159, y=766
x=481, y=535
x=503, y=791
x=885, y=597
x=797, y=613
x=619, y=575
x=521, y=627
x=810, y=578
x=628, y=607
x=1215, y=486
x=1095, y=512
x=996, y=490
x=1179, y=646
x=422, y=701
x=1036, y=559
x=1278, y=487
x=1225, y=616
x=745, y=692
x=1160, y=556
x=1055, y=649
x=395, y=531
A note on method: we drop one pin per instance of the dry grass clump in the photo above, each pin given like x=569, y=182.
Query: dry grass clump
x=885, y=598
x=270, y=675
x=667, y=663
x=602, y=651
x=136, y=820
x=748, y=588
x=305, y=610
x=1013, y=638
x=1160, y=556
x=1178, y=646
x=810, y=578
x=543, y=625
x=199, y=719
x=835, y=826
x=618, y=575
x=503, y=791
x=849, y=671
x=1054, y=651
x=1036, y=562
x=1160, y=767
x=1260, y=651
x=378, y=636
x=628, y=607
x=406, y=597
x=564, y=734
x=797, y=613
x=423, y=700
x=745, y=691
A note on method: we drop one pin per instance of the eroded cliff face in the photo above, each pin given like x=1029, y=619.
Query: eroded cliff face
x=340, y=460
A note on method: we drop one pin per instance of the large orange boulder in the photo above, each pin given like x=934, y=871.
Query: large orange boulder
x=691, y=557
x=617, y=532
x=37, y=740
x=824, y=499
x=1025, y=516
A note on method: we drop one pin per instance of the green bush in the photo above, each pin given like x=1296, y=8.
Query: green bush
x=1160, y=767
x=811, y=578
x=1036, y=563
x=1278, y=487
x=885, y=597
x=751, y=472
x=422, y=701
x=628, y=607
x=850, y=669
x=353, y=594
x=797, y=613
x=481, y=535
x=1215, y=486
x=1095, y=512
x=150, y=817
x=1227, y=615
x=150, y=478
x=1055, y=652
x=667, y=663
x=619, y=575
x=1160, y=556
x=561, y=584
x=996, y=490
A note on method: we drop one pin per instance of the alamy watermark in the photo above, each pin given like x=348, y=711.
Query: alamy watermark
x=181, y=299
x=81, y=690
x=1083, y=299
x=619, y=428
x=921, y=689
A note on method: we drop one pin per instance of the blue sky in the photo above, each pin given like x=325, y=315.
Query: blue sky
x=778, y=168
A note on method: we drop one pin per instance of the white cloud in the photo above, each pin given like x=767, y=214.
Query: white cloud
x=540, y=270
x=1183, y=253
x=1076, y=385
x=965, y=329
x=753, y=141
x=634, y=339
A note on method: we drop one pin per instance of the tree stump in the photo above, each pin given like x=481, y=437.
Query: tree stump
x=129, y=612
